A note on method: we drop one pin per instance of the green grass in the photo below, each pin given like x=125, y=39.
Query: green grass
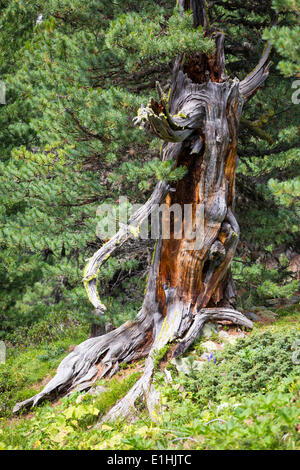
x=67, y=425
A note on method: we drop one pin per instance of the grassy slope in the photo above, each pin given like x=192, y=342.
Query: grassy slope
x=248, y=399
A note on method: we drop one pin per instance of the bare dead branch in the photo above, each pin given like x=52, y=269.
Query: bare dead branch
x=93, y=266
x=250, y=84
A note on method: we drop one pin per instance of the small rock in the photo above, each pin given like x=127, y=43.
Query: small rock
x=267, y=314
x=198, y=365
x=210, y=346
x=185, y=365
x=251, y=316
x=231, y=339
x=209, y=329
x=97, y=390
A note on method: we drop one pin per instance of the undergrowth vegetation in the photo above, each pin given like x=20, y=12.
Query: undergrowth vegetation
x=248, y=398
x=33, y=354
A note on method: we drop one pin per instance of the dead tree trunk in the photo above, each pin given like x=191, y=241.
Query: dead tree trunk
x=187, y=285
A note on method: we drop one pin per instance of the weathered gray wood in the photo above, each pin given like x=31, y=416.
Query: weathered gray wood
x=253, y=81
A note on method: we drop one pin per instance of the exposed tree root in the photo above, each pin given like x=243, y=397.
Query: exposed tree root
x=81, y=368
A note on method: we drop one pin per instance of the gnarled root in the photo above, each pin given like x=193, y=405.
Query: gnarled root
x=96, y=358
x=168, y=333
